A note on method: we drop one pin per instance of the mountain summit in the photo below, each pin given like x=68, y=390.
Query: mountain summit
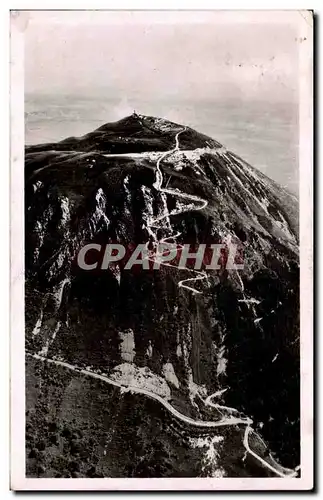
x=225, y=350
x=132, y=134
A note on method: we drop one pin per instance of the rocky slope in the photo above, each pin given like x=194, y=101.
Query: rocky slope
x=238, y=337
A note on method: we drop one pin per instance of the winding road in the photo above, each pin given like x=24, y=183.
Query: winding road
x=201, y=275
x=188, y=420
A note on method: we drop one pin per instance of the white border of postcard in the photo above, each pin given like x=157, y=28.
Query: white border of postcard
x=17, y=356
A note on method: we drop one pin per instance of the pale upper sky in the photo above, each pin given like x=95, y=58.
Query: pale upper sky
x=160, y=55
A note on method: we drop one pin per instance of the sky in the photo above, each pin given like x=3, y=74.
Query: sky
x=164, y=55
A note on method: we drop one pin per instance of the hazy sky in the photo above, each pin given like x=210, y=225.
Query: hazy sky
x=193, y=55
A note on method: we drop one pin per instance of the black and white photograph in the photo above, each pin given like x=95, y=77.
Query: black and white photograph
x=162, y=277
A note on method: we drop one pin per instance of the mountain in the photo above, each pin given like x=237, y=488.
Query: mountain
x=162, y=340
